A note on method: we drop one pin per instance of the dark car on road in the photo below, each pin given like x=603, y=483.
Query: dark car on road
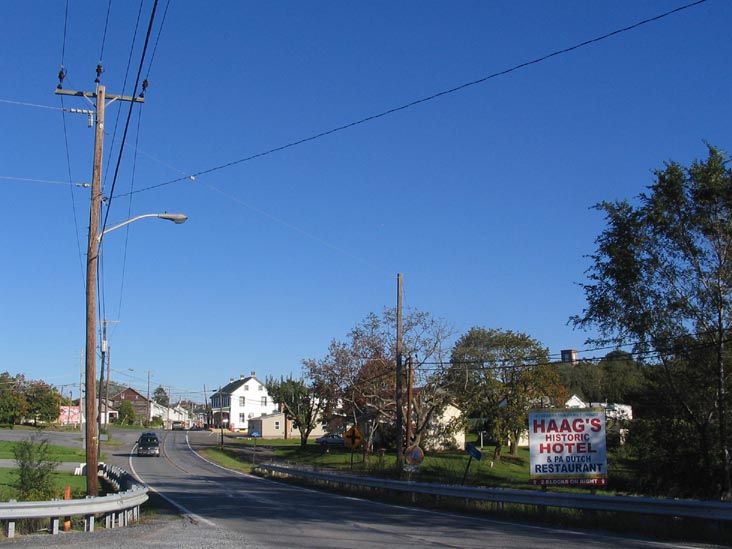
x=148, y=445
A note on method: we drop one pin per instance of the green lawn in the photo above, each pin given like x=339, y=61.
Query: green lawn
x=439, y=467
x=9, y=476
x=61, y=453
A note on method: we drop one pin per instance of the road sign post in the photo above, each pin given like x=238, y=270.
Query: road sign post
x=352, y=439
x=474, y=453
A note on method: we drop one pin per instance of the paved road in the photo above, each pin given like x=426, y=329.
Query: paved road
x=224, y=509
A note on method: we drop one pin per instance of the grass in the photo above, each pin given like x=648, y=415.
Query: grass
x=61, y=479
x=60, y=453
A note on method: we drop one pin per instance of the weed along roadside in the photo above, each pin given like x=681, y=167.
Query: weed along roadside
x=44, y=493
x=510, y=474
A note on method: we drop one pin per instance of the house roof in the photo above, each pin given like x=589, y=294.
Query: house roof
x=234, y=385
x=126, y=389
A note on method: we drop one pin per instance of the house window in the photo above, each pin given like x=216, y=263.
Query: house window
x=261, y=387
x=277, y=425
x=246, y=387
x=264, y=401
x=242, y=418
x=241, y=401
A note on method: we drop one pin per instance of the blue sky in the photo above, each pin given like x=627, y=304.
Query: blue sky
x=482, y=198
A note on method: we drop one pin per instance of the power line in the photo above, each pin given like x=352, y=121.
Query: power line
x=431, y=97
x=49, y=181
x=61, y=76
x=104, y=34
x=157, y=39
x=129, y=114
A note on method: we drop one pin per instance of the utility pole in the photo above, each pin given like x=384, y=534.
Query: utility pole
x=103, y=389
x=399, y=375
x=410, y=370
x=81, y=387
x=149, y=405
x=205, y=407
x=106, y=386
x=92, y=258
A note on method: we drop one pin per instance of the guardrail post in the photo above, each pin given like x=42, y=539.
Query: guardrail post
x=11, y=529
x=54, y=525
x=89, y=523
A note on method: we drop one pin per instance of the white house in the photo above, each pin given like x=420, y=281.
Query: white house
x=236, y=403
x=612, y=410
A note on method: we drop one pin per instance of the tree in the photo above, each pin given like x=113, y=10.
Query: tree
x=43, y=401
x=357, y=378
x=161, y=397
x=661, y=278
x=300, y=402
x=13, y=406
x=126, y=413
x=498, y=375
x=616, y=378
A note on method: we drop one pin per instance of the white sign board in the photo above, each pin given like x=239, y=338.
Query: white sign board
x=567, y=447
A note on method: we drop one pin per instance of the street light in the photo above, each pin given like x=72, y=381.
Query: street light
x=95, y=240
x=176, y=218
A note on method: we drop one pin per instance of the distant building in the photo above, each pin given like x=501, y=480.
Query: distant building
x=276, y=425
x=613, y=411
x=140, y=404
x=240, y=400
x=570, y=356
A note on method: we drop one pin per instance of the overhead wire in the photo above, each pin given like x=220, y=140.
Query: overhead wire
x=62, y=74
x=114, y=135
x=136, y=148
x=129, y=115
x=157, y=40
x=432, y=97
x=104, y=34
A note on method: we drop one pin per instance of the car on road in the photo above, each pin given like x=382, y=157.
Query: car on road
x=148, y=445
x=330, y=440
x=178, y=426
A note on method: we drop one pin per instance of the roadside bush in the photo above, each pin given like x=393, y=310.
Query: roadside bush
x=35, y=469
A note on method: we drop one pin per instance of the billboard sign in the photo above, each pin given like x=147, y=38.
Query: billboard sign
x=568, y=447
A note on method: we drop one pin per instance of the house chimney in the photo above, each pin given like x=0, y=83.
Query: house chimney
x=231, y=380
x=242, y=376
x=254, y=374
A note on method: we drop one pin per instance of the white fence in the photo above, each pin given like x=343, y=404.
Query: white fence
x=710, y=510
x=118, y=509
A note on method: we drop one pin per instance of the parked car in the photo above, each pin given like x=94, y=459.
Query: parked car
x=178, y=426
x=148, y=445
x=329, y=440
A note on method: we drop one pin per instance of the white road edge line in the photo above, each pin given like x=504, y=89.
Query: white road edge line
x=185, y=511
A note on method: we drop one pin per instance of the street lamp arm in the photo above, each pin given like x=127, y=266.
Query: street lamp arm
x=176, y=218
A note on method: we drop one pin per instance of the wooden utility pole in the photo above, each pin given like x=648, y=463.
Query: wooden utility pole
x=149, y=406
x=410, y=370
x=399, y=381
x=92, y=257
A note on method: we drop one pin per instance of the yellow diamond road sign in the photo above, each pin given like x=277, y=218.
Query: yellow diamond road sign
x=353, y=438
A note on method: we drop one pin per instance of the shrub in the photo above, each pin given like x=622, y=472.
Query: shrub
x=35, y=469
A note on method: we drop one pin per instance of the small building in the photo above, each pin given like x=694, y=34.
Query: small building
x=277, y=426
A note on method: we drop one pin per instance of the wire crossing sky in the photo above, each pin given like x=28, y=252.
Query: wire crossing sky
x=482, y=199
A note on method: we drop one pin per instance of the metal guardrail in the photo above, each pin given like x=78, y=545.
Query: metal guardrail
x=118, y=509
x=710, y=510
